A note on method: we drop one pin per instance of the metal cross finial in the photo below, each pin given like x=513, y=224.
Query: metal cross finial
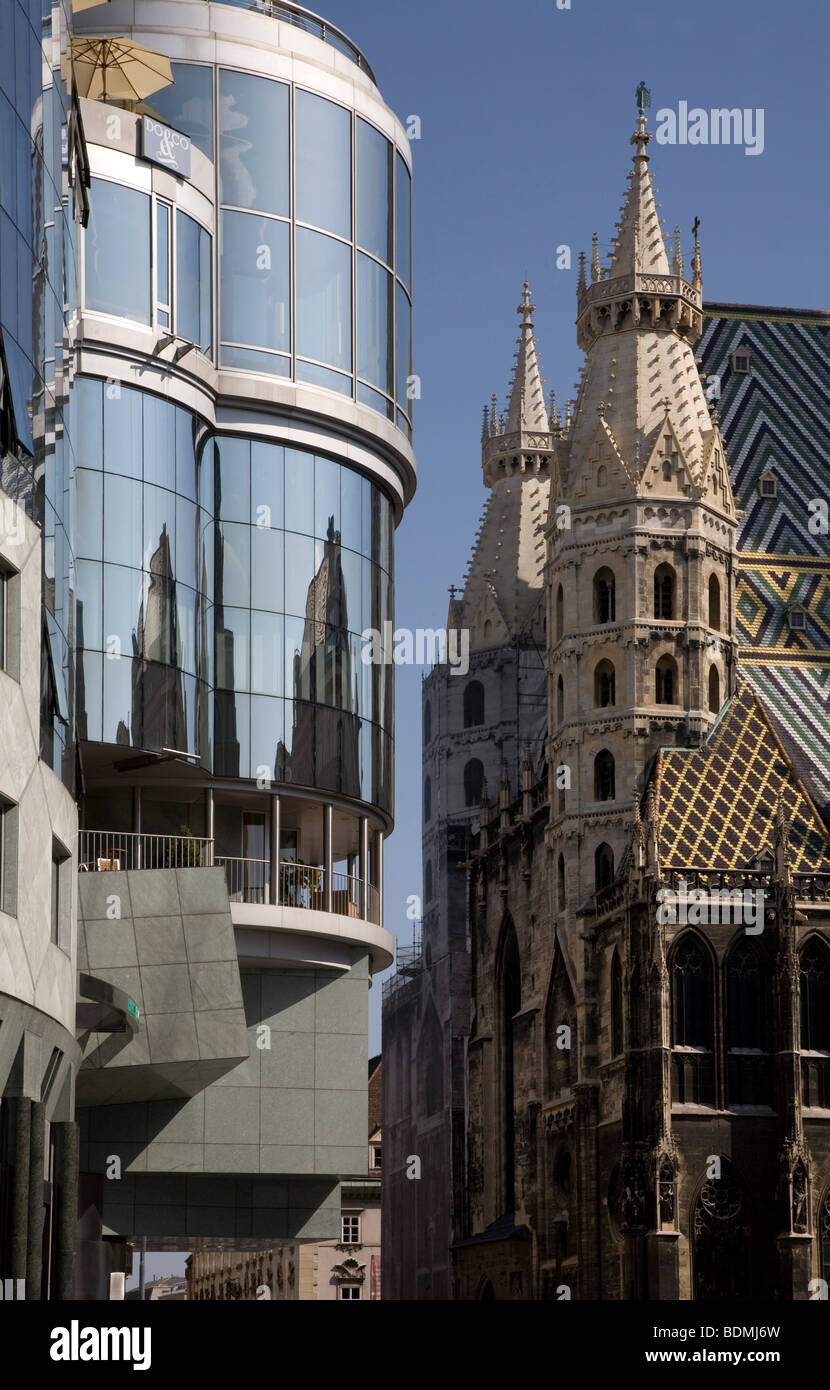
x=451, y=592
x=696, y=228
x=643, y=96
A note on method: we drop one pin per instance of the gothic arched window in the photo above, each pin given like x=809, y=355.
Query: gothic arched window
x=560, y=881
x=664, y=585
x=427, y=800
x=473, y=782
x=428, y=881
x=603, y=866
x=815, y=997
x=824, y=1236
x=666, y=691
x=473, y=705
x=692, y=1022
x=604, y=684
x=602, y=476
x=604, y=776
x=616, y=1006
x=560, y=1031
x=560, y=700
x=722, y=1239
x=604, y=596
x=747, y=1025
x=714, y=690
x=560, y=614
x=714, y=602
x=666, y=470
x=427, y=723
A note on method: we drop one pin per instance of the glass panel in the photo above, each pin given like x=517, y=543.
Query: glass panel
x=159, y=419
x=123, y=430
x=117, y=251
x=159, y=554
x=323, y=177
x=266, y=569
x=88, y=604
x=403, y=348
x=186, y=523
x=122, y=618
x=326, y=497
x=89, y=696
x=299, y=491
x=163, y=253
x=374, y=324
x=186, y=482
x=324, y=299
x=373, y=191
x=118, y=701
x=368, y=396
x=232, y=669
x=89, y=525
x=350, y=603
x=297, y=660
x=233, y=565
x=232, y=734
x=88, y=423
x=122, y=521
x=266, y=653
x=249, y=360
x=253, y=142
x=193, y=287
x=158, y=618
x=255, y=281
x=299, y=572
x=350, y=508
x=267, y=718
x=266, y=484
x=403, y=214
x=233, y=479
x=324, y=376
x=188, y=105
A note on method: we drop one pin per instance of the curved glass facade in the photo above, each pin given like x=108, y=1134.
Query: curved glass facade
x=222, y=585
x=38, y=300
x=314, y=232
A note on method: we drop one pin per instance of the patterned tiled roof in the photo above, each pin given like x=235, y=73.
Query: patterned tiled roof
x=776, y=417
x=717, y=804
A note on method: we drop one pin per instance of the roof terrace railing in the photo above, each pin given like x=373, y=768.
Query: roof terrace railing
x=311, y=23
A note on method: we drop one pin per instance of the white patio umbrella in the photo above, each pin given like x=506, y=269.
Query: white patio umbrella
x=117, y=69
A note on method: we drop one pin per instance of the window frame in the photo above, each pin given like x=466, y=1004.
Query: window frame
x=351, y=1217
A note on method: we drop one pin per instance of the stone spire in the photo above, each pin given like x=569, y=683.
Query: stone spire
x=642, y=420
x=639, y=246
x=527, y=397
x=504, y=586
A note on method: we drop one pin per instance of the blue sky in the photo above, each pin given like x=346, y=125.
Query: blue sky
x=526, y=112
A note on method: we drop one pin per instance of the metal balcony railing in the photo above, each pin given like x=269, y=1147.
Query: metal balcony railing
x=249, y=880
x=311, y=23
x=112, y=849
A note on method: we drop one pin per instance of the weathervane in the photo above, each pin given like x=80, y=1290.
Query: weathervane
x=643, y=96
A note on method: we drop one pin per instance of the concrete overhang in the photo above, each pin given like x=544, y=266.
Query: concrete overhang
x=281, y=936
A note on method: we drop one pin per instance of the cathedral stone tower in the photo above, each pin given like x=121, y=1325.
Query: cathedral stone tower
x=641, y=626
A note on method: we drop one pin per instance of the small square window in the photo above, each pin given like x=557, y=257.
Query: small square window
x=740, y=361
x=768, y=485
x=349, y=1293
x=350, y=1230
x=797, y=618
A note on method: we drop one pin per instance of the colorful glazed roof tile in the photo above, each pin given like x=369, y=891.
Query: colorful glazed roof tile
x=717, y=804
x=775, y=417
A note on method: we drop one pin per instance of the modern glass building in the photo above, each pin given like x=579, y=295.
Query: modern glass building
x=218, y=504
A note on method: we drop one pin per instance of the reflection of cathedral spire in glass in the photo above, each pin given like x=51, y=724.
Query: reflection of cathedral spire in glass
x=158, y=700
x=325, y=745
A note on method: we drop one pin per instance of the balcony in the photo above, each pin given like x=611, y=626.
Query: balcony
x=249, y=880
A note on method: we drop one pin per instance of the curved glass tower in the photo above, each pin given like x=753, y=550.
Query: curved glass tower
x=215, y=452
